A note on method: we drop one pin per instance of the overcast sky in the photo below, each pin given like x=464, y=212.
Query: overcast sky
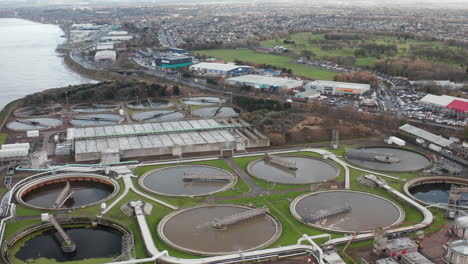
x=462, y=4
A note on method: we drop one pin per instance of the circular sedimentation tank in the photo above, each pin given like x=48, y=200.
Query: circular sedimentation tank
x=346, y=211
x=96, y=120
x=388, y=159
x=149, y=104
x=26, y=124
x=191, y=230
x=37, y=111
x=434, y=190
x=95, y=107
x=158, y=115
x=170, y=181
x=215, y=112
x=203, y=100
x=87, y=190
x=42, y=243
x=308, y=170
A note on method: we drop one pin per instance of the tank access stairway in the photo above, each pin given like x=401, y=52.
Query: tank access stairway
x=64, y=195
x=68, y=245
x=237, y=218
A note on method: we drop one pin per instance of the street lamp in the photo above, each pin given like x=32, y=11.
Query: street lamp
x=66, y=97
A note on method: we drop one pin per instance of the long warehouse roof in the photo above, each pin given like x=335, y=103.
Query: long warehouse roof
x=442, y=100
x=142, y=136
x=428, y=136
x=273, y=81
x=217, y=66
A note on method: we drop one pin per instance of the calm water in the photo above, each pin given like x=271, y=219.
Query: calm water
x=170, y=181
x=192, y=230
x=84, y=193
x=368, y=212
x=99, y=242
x=409, y=160
x=309, y=170
x=434, y=193
x=29, y=62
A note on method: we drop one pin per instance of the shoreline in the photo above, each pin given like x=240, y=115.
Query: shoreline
x=63, y=54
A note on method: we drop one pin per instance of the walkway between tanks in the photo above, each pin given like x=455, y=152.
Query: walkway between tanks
x=126, y=174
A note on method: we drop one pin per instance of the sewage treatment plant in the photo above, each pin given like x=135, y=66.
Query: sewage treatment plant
x=190, y=181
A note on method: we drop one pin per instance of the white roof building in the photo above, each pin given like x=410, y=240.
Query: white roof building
x=439, y=100
x=14, y=151
x=428, y=136
x=105, y=55
x=116, y=38
x=117, y=33
x=261, y=82
x=105, y=46
x=208, y=66
x=444, y=83
x=331, y=87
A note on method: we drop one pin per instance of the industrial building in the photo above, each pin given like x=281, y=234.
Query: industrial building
x=174, y=61
x=165, y=138
x=85, y=27
x=442, y=83
x=338, y=88
x=306, y=95
x=265, y=82
x=220, y=69
x=386, y=261
x=17, y=152
x=426, y=136
x=401, y=246
x=105, y=56
x=415, y=258
x=104, y=46
x=118, y=33
x=445, y=103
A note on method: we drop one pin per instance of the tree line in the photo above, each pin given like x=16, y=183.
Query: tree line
x=111, y=90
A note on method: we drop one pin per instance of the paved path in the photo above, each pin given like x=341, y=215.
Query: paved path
x=254, y=189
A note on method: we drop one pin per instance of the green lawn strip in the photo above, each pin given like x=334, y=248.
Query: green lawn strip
x=5, y=112
x=262, y=58
x=3, y=137
x=158, y=212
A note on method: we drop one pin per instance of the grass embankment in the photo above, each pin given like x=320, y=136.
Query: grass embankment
x=301, y=42
x=262, y=58
x=6, y=111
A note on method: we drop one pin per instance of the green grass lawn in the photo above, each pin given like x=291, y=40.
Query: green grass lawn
x=3, y=137
x=260, y=58
x=302, y=43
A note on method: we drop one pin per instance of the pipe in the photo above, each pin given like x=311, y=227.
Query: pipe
x=20, y=168
x=133, y=261
x=314, y=245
